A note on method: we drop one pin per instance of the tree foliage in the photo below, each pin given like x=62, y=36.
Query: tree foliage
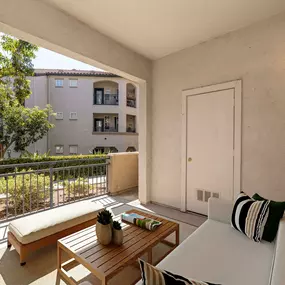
x=15, y=65
x=19, y=126
x=23, y=126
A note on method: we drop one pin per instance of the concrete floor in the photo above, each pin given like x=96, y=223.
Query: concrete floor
x=41, y=266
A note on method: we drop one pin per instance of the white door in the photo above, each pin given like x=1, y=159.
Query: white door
x=209, y=148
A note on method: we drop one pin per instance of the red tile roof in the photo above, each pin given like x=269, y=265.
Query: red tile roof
x=73, y=72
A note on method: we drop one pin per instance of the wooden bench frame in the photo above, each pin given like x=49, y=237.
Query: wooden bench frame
x=25, y=249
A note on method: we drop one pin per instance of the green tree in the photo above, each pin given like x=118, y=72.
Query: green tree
x=19, y=126
x=15, y=65
x=23, y=126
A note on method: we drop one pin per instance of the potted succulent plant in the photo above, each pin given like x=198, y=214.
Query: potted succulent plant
x=104, y=227
x=117, y=233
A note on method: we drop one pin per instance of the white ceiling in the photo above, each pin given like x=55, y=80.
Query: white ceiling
x=156, y=28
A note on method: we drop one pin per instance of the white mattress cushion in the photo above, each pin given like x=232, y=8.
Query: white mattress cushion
x=218, y=253
x=220, y=210
x=278, y=272
x=40, y=225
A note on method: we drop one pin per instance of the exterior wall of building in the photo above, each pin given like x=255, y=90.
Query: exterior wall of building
x=254, y=54
x=79, y=132
x=38, y=98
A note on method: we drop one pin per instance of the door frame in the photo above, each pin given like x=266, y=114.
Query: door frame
x=103, y=123
x=95, y=96
x=236, y=85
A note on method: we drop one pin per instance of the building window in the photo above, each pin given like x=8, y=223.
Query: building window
x=73, y=149
x=104, y=149
x=73, y=83
x=112, y=149
x=59, y=116
x=98, y=150
x=73, y=116
x=59, y=149
x=58, y=82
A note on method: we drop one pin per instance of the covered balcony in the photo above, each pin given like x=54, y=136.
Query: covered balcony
x=211, y=86
x=106, y=93
x=105, y=123
x=131, y=124
x=131, y=95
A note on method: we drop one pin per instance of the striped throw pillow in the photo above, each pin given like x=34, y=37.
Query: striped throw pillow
x=250, y=216
x=154, y=276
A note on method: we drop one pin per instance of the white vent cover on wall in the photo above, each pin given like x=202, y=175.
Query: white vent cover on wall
x=204, y=195
x=73, y=116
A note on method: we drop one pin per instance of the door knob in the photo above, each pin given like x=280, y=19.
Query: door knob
x=189, y=159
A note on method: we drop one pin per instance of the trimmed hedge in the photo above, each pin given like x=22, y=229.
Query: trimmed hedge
x=49, y=158
x=56, y=161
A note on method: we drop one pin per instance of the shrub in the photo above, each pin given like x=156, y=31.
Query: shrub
x=78, y=188
x=26, y=192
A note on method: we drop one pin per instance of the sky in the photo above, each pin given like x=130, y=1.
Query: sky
x=52, y=60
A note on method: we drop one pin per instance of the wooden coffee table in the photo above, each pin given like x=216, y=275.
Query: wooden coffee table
x=106, y=261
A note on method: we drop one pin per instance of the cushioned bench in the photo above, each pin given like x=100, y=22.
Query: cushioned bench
x=32, y=232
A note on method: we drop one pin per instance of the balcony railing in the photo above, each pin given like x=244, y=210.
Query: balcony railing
x=109, y=99
x=131, y=130
x=131, y=103
x=32, y=187
x=101, y=130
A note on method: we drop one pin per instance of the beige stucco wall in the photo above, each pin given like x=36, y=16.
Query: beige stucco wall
x=256, y=55
x=122, y=171
x=40, y=85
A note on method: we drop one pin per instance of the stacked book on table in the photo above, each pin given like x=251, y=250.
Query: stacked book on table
x=141, y=221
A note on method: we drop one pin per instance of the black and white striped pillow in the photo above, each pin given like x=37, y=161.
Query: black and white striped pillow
x=154, y=276
x=249, y=216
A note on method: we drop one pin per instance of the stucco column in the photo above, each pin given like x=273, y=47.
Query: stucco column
x=122, y=107
x=144, y=142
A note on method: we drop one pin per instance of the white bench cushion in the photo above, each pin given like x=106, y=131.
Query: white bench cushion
x=217, y=253
x=278, y=272
x=43, y=224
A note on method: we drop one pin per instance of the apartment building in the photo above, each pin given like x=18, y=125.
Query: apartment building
x=94, y=111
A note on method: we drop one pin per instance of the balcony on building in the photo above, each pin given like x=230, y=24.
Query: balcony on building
x=131, y=124
x=106, y=93
x=105, y=123
x=131, y=95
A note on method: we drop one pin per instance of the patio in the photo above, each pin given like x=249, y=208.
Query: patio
x=231, y=54
x=41, y=266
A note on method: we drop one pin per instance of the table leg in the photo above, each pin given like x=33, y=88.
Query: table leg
x=58, y=257
x=149, y=256
x=177, y=236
